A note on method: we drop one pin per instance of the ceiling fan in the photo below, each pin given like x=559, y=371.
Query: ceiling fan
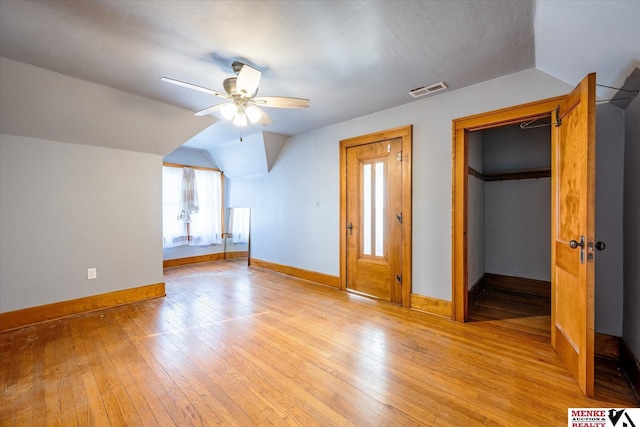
x=244, y=107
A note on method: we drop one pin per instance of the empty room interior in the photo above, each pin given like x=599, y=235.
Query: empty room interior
x=318, y=213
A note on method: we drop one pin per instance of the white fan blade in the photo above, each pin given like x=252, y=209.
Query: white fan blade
x=194, y=87
x=209, y=110
x=281, y=102
x=248, y=81
x=264, y=118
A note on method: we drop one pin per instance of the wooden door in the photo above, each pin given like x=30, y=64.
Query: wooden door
x=374, y=219
x=573, y=230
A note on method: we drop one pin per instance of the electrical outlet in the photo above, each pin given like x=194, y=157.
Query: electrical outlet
x=92, y=273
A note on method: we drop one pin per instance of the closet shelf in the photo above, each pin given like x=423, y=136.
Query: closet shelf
x=512, y=175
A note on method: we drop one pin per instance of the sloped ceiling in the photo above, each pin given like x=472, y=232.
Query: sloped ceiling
x=254, y=156
x=575, y=38
x=349, y=57
x=38, y=103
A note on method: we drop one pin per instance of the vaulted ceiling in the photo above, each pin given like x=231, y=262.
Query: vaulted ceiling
x=349, y=57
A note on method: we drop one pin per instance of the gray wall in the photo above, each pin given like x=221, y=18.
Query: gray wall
x=517, y=228
x=631, y=331
x=609, y=218
x=65, y=208
x=512, y=148
x=518, y=212
x=509, y=221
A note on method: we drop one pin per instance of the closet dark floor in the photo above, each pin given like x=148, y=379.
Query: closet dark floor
x=532, y=314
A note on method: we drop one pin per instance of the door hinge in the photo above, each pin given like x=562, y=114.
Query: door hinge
x=558, y=119
x=388, y=148
x=399, y=278
x=399, y=217
x=399, y=156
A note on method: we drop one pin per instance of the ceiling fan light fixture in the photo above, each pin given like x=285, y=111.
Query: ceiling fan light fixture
x=228, y=111
x=241, y=91
x=240, y=118
x=253, y=113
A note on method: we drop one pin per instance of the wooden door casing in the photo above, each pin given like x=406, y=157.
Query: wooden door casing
x=461, y=129
x=375, y=273
x=405, y=135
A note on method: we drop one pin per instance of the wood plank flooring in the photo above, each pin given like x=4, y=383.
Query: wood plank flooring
x=530, y=314
x=230, y=345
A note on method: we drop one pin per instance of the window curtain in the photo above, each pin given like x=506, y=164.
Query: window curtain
x=188, y=204
x=206, y=226
x=239, y=225
x=191, y=197
x=174, y=231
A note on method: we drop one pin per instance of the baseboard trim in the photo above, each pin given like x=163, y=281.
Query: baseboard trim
x=615, y=348
x=476, y=290
x=519, y=284
x=313, y=276
x=431, y=305
x=607, y=346
x=43, y=313
x=234, y=255
x=630, y=366
x=168, y=263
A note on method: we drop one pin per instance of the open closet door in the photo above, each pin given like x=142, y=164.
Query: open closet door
x=573, y=230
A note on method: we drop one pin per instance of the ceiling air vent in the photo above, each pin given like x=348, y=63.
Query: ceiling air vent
x=421, y=91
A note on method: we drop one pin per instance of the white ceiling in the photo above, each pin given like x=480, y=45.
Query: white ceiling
x=349, y=57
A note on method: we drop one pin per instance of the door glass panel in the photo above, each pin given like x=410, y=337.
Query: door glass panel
x=379, y=194
x=366, y=221
x=373, y=209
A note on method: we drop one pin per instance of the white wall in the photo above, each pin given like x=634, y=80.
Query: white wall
x=295, y=208
x=475, y=226
x=631, y=332
x=65, y=208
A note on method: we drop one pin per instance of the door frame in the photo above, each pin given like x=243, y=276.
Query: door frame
x=406, y=135
x=460, y=185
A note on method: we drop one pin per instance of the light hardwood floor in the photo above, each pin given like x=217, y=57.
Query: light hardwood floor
x=230, y=345
x=531, y=314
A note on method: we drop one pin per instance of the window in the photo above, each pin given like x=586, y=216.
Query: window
x=191, y=207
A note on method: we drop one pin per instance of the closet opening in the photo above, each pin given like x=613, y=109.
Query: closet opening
x=509, y=223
